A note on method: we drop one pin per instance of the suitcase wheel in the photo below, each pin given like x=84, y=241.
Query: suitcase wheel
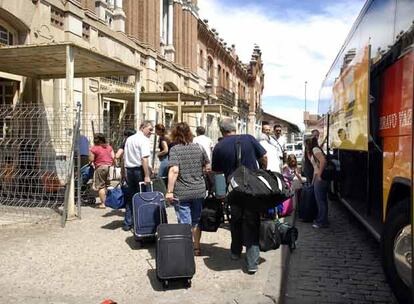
x=165, y=284
x=188, y=283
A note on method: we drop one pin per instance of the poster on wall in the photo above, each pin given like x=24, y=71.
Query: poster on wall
x=349, y=116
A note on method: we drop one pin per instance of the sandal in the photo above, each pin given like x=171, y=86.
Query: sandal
x=101, y=206
x=197, y=252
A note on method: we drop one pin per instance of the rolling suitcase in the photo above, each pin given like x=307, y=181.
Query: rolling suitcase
x=148, y=210
x=174, y=253
x=307, y=204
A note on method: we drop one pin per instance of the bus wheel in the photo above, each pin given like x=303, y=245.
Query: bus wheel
x=397, y=252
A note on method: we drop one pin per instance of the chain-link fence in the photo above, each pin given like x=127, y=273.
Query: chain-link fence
x=35, y=145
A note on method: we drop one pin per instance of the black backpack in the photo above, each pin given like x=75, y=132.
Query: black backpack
x=211, y=214
x=269, y=236
x=289, y=234
x=261, y=188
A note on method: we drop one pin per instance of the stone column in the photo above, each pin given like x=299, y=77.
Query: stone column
x=170, y=22
x=119, y=17
x=169, y=49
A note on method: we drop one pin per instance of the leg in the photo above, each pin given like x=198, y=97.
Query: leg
x=102, y=197
x=251, y=226
x=236, y=228
x=196, y=206
x=134, y=176
x=321, y=191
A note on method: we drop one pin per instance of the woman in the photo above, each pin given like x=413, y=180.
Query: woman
x=290, y=169
x=315, y=154
x=102, y=157
x=185, y=179
x=163, y=147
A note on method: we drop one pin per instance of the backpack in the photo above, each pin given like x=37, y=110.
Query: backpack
x=289, y=234
x=261, y=188
x=269, y=236
x=211, y=214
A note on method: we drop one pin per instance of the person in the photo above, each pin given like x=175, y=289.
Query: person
x=279, y=142
x=186, y=181
x=315, y=133
x=273, y=160
x=203, y=141
x=318, y=160
x=136, y=156
x=245, y=222
x=83, y=150
x=101, y=155
x=163, y=150
x=290, y=169
x=120, y=152
x=345, y=142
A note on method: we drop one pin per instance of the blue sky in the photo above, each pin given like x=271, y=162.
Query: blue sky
x=299, y=40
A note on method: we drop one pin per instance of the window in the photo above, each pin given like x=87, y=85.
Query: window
x=201, y=59
x=86, y=31
x=6, y=38
x=57, y=17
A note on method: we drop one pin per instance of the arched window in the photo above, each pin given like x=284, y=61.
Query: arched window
x=210, y=70
x=201, y=59
x=6, y=38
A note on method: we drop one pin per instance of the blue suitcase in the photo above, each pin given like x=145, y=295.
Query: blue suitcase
x=149, y=211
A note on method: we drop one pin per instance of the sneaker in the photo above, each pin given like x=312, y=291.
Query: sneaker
x=252, y=271
x=316, y=226
x=126, y=227
x=235, y=257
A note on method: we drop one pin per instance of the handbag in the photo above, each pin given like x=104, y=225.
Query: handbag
x=115, y=197
x=261, y=188
x=212, y=214
x=269, y=235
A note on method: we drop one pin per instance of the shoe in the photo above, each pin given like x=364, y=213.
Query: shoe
x=252, y=271
x=316, y=226
x=126, y=227
x=235, y=257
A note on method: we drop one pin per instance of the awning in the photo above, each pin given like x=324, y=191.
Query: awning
x=48, y=61
x=157, y=97
x=209, y=108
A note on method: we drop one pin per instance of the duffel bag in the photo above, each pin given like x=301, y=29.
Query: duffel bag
x=211, y=214
x=115, y=197
x=269, y=236
x=289, y=234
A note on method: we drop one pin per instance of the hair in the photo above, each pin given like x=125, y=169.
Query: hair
x=200, y=130
x=128, y=132
x=145, y=124
x=341, y=130
x=265, y=123
x=315, y=130
x=276, y=126
x=160, y=128
x=310, y=143
x=227, y=126
x=290, y=158
x=99, y=139
x=181, y=134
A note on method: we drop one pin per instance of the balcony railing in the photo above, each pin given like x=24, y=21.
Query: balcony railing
x=225, y=97
x=243, y=105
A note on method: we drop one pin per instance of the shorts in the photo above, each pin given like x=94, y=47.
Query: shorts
x=100, y=177
x=189, y=211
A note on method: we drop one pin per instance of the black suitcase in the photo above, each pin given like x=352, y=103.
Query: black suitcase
x=307, y=204
x=174, y=253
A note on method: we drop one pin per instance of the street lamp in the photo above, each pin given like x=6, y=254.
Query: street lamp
x=305, y=94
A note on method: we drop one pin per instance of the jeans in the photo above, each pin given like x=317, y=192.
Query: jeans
x=133, y=176
x=321, y=192
x=163, y=170
x=189, y=212
x=244, y=227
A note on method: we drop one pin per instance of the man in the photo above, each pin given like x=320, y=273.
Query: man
x=203, y=141
x=273, y=161
x=137, y=152
x=245, y=222
x=279, y=142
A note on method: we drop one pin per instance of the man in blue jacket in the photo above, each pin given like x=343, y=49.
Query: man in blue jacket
x=245, y=222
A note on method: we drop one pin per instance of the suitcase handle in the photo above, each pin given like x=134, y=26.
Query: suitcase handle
x=143, y=183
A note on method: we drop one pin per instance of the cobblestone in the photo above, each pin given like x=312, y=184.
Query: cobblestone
x=340, y=264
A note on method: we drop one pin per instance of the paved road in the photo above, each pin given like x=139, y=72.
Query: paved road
x=336, y=265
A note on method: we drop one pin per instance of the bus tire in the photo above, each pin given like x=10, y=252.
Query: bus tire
x=398, y=217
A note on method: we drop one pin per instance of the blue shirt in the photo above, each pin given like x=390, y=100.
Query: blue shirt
x=224, y=154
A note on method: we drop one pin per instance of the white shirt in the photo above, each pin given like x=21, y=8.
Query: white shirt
x=206, y=143
x=137, y=147
x=279, y=144
x=273, y=160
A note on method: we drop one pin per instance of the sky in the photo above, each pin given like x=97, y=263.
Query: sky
x=299, y=40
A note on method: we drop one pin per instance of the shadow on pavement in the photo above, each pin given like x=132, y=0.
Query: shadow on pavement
x=113, y=225
x=147, y=244
x=114, y=213
x=172, y=284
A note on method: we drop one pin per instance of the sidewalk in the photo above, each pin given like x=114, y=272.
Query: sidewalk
x=93, y=259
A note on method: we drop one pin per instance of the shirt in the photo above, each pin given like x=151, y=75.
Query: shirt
x=137, y=147
x=102, y=154
x=314, y=161
x=225, y=158
x=205, y=142
x=190, y=160
x=279, y=143
x=273, y=160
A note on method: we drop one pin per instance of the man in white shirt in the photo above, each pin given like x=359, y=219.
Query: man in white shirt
x=273, y=160
x=203, y=141
x=137, y=152
x=279, y=142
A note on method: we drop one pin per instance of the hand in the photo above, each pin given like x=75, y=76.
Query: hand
x=147, y=180
x=169, y=197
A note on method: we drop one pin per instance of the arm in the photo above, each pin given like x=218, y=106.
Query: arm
x=119, y=153
x=321, y=161
x=172, y=178
x=145, y=166
x=91, y=157
x=164, y=150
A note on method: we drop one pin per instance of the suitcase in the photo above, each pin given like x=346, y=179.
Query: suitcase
x=148, y=209
x=174, y=253
x=307, y=204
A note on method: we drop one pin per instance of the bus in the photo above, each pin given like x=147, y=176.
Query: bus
x=365, y=105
